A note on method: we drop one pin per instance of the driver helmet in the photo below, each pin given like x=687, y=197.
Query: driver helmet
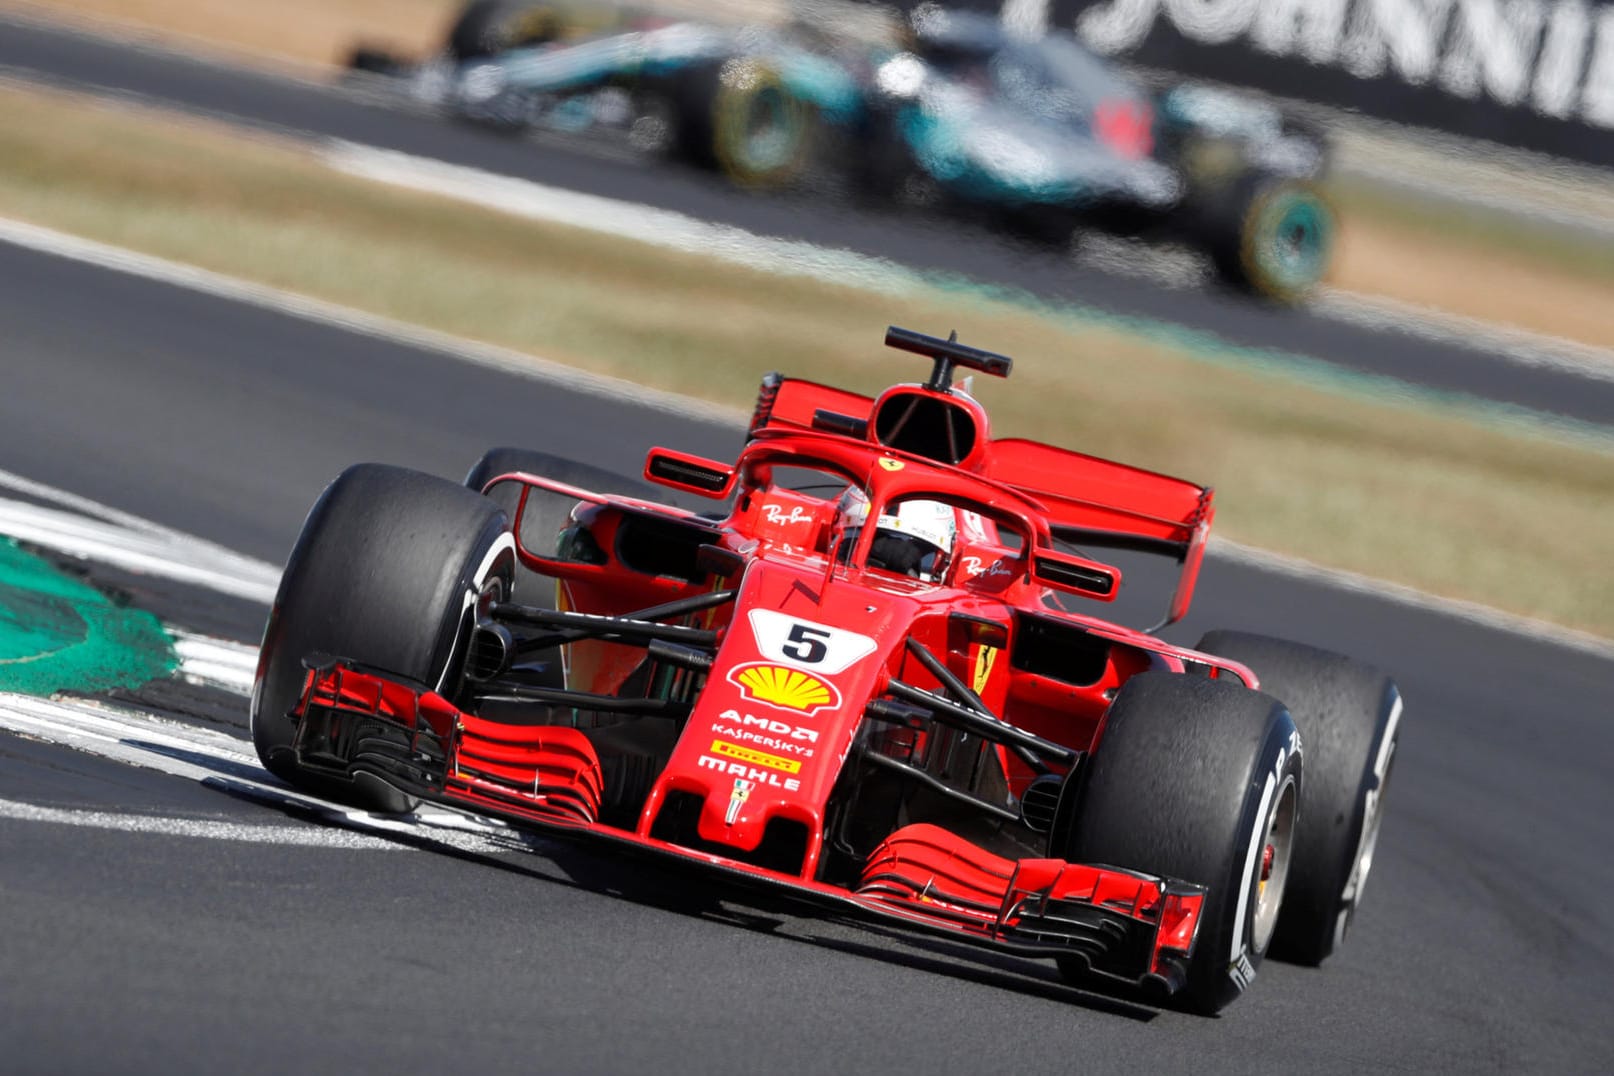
x=915, y=540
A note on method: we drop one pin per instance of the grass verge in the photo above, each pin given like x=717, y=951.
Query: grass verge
x=1418, y=493
x=1470, y=261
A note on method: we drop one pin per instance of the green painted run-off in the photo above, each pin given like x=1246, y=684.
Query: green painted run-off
x=58, y=633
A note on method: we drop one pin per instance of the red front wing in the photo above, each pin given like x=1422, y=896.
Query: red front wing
x=1121, y=924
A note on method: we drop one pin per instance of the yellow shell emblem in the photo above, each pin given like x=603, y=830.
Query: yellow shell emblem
x=788, y=689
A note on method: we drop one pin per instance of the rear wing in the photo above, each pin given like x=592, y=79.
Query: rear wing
x=1101, y=502
x=1089, y=501
x=1098, y=503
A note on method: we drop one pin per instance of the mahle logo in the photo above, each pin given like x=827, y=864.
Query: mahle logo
x=785, y=688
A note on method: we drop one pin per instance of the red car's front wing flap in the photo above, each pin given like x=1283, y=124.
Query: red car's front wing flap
x=1120, y=924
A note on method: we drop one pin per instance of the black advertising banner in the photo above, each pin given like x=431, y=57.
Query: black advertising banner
x=1538, y=74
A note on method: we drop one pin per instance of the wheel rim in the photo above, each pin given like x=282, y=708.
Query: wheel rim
x=1372, y=819
x=768, y=137
x=1277, y=848
x=1292, y=241
x=760, y=125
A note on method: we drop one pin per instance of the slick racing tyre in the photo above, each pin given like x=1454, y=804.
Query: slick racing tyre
x=1271, y=236
x=489, y=27
x=1198, y=780
x=1349, y=717
x=388, y=572
x=762, y=133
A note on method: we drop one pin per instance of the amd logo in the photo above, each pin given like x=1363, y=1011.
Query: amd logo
x=1554, y=57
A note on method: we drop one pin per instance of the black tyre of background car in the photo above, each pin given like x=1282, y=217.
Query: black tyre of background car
x=1270, y=236
x=386, y=573
x=1348, y=714
x=739, y=118
x=1191, y=779
x=487, y=27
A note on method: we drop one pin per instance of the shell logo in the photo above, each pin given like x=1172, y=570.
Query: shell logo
x=787, y=689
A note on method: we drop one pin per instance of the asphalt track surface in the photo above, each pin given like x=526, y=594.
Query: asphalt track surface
x=80, y=61
x=1484, y=945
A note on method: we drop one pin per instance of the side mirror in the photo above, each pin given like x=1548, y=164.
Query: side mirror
x=692, y=474
x=1078, y=575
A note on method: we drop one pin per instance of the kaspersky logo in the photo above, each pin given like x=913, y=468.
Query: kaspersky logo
x=784, y=688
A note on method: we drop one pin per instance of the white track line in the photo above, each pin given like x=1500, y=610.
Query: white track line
x=209, y=829
x=137, y=545
x=219, y=761
x=220, y=663
x=1455, y=608
x=234, y=289
x=664, y=228
x=1518, y=346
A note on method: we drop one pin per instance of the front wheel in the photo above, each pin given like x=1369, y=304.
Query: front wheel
x=762, y=133
x=1198, y=780
x=389, y=572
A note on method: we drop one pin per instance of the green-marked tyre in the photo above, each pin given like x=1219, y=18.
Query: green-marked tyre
x=1273, y=237
x=389, y=572
x=762, y=133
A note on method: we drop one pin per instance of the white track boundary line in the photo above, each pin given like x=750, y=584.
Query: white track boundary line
x=220, y=663
x=1484, y=616
x=317, y=311
x=170, y=555
x=203, y=828
x=1521, y=347
x=117, y=259
x=641, y=223
x=218, y=760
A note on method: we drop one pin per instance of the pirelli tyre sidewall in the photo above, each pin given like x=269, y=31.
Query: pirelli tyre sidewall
x=762, y=133
x=388, y=572
x=1349, y=716
x=1273, y=236
x=1193, y=778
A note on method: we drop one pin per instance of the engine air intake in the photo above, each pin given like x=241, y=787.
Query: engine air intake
x=924, y=424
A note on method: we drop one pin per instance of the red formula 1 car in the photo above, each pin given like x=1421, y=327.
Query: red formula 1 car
x=872, y=683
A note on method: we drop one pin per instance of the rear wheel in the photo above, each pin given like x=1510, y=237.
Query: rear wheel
x=1271, y=236
x=1198, y=780
x=388, y=572
x=1349, y=718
